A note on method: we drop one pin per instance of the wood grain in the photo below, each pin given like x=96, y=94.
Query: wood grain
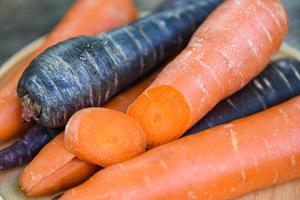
x=9, y=189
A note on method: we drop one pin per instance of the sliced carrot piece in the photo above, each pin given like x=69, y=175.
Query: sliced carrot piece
x=158, y=109
x=103, y=136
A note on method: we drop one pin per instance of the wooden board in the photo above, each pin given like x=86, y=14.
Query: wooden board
x=9, y=179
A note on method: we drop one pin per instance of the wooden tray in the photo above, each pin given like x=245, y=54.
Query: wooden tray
x=9, y=179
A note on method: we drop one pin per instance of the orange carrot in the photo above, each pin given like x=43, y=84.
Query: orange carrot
x=47, y=182
x=85, y=17
x=233, y=45
x=59, y=165
x=217, y=164
x=103, y=136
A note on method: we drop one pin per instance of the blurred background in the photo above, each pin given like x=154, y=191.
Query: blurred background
x=22, y=21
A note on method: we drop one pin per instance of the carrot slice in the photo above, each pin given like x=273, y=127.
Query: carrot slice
x=85, y=17
x=231, y=47
x=217, y=164
x=104, y=136
x=158, y=110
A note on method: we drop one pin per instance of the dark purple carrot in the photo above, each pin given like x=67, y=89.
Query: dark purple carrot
x=26, y=147
x=166, y=4
x=88, y=71
x=279, y=82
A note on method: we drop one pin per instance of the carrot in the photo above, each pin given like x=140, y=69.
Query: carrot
x=87, y=71
x=85, y=17
x=104, y=136
x=252, y=153
x=47, y=182
x=26, y=147
x=279, y=82
x=233, y=45
x=51, y=177
x=166, y=4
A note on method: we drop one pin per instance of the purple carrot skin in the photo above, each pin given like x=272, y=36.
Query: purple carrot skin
x=279, y=82
x=26, y=147
x=88, y=71
x=166, y=4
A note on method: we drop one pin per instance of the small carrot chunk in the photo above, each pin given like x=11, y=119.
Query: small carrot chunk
x=156, y=108
x=103, y=136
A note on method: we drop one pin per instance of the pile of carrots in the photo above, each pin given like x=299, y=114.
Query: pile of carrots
x=174, y=85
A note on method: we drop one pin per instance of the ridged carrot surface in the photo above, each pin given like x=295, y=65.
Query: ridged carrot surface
x=233, y=45
x=279, y=82
x=85, y=17
x=218, y=164
x=61, y=172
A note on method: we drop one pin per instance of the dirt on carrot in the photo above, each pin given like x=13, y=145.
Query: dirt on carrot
x=232, y=46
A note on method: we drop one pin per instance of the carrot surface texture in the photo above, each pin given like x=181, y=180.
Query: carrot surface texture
x=26, y=147
x=85, y=17
x=252, y=153
x=233, y=45
x=55, y=168
x=279, y=82
x=87, y=71
x=61, y=172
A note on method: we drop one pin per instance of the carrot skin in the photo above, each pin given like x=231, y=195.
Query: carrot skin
x=61, y=171
x=166, y=4
x=26, y=147
x=85, y=17
x=252, y=153
x=279, y=82
x=88, y=71
x=232, y=46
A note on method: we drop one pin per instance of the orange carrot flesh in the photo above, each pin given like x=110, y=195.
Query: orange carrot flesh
x=59, y=165
x=85, y=17
x=103, y=136
x=233, y=45
x=217, y=164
